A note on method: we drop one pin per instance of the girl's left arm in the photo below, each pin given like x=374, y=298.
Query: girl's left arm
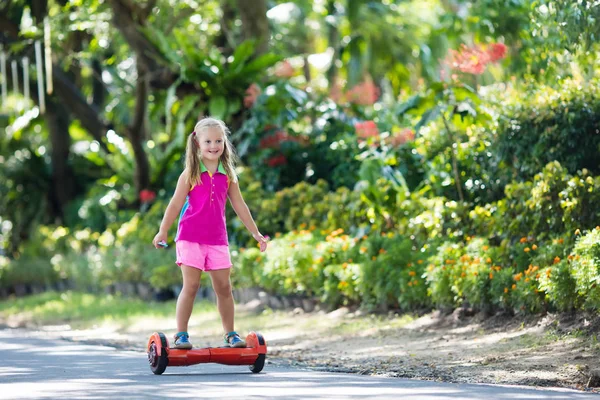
x=241, y=209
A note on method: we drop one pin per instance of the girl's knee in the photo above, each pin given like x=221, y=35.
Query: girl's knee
x=223, y=289
x=191, y=288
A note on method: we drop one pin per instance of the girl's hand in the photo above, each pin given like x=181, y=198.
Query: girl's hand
x=160, y=237
x=262, y=241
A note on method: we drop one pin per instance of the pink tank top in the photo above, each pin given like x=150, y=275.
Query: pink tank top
x=202, y=218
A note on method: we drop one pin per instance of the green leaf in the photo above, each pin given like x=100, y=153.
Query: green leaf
x=409, y=104
x=241, y=54
x=298, y=95
x=260, y=63
x=427, y=117
x=217, y=107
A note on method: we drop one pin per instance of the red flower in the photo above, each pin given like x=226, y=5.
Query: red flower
x=276, y=161
x=497, y=51
x=251, y=94
x=274, y=141
x=366, y=129
x=473, y=60
x=405, y=135
x=284, y=70
x=146, y=196
x=365, y=93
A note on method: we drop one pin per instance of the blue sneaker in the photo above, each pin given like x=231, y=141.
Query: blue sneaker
x=232, y=339
x=182, y=341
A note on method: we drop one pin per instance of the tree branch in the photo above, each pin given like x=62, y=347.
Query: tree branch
x=87, y=114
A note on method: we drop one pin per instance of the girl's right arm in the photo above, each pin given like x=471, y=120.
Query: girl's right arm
x=173, y=209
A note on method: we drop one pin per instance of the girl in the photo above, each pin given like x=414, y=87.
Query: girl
x=201, y=242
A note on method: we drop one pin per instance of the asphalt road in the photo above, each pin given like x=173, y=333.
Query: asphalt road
x=34, y=366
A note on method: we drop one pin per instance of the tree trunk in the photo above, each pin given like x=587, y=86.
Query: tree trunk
x=63, y=177
x=255, y=25
x=137, y=131
x=224, y=40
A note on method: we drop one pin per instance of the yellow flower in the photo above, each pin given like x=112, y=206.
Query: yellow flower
x=485, y=248
x=526, y=249
x=514, y=286
x=505, y=290
x=534, y=247
x=373, y=258
x=412, y=273
x=420, y=262
x=577, y=232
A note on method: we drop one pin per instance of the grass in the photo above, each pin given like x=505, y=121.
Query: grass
x=84, y=310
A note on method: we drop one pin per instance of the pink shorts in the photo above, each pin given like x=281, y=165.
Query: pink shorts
x=205, y=257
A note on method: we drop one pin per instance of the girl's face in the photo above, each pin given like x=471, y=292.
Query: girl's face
x=212, y=143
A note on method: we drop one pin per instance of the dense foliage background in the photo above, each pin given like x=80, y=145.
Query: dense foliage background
x=406, y=154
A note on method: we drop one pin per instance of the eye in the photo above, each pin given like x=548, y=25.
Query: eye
x=219, y=141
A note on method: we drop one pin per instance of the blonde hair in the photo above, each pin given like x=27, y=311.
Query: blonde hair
x=192, y=151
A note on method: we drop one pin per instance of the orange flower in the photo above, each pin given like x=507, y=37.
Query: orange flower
x=526, y=249
x=382, y=251
x=412, y=273
x=518, y=276
x=373, y=258
x=485, y=248
x=556, y=260
x=505, y=290
x=489, y=260
x=491, y=276
x=420, y=262
x=534, y=247
x=514, y=286
x=523, y=240
x=577, y=232
x=561, y=240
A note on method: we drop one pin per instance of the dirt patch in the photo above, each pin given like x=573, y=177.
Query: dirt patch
x=550, y=350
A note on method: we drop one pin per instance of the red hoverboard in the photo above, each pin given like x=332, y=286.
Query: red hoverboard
x=160, y=355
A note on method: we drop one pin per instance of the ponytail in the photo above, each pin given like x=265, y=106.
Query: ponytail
x=192, y=160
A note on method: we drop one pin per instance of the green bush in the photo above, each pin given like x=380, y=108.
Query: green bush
x=542, y=124
x=585, y=268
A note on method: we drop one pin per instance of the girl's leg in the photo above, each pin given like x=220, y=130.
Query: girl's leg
x=185, y=301
x=222, y=286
